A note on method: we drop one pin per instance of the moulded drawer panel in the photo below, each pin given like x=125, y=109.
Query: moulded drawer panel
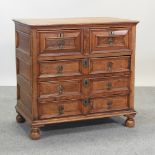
x=60, y=68
x=110, y=104
x=59, y=109
x=61, y=42
x=110, y=39
x=66, y=89
x=110, y=65
x=102, y=86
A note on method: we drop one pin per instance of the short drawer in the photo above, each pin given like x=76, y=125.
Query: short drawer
x=110, y=104
x=60, y=89
x=104, y=40
x=59, y=109
x=61, y=41
x=60, y=68
x=110, y=65
x=106, y=86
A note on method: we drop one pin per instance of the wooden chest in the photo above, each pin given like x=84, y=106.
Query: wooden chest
x=74, y=69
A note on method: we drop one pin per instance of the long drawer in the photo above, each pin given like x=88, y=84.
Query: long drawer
x=85, y=66
x=82, y=87
x=82, y=107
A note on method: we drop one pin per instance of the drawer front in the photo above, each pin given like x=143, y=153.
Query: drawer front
x=61, y=42
x=59, y=109
x=104, y=40
x=60, y=68
x=66, y=89
x=103, y=86
x=110, y=104
x=110, y=65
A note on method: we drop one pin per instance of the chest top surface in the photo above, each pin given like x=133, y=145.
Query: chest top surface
x=73, y=21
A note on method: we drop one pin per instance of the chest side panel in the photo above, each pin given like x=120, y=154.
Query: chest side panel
x=24, y=70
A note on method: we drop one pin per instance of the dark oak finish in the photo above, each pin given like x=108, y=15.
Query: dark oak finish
x=74, y=69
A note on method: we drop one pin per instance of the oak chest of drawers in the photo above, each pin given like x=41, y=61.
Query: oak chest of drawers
x=74, y=69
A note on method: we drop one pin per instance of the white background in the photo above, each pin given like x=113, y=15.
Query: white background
x=142, y=10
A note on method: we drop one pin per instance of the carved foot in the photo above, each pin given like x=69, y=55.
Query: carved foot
x=130, y=122
x=20, y=118
x=35, y=133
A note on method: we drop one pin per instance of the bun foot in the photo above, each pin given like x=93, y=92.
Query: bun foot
x=20, y=118
x=130, y=122
x=35, y=133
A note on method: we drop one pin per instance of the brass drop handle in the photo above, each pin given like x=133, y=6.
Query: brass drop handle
x=61, y=43
x=61, y=40
x=109, y=104
x=85, y=63
x=86, y=82
x=59, y=69
x=61, y=109
x=109, y=86
x=60, y=89
x=110, y=41
x=86, y=102
x=109, y=66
